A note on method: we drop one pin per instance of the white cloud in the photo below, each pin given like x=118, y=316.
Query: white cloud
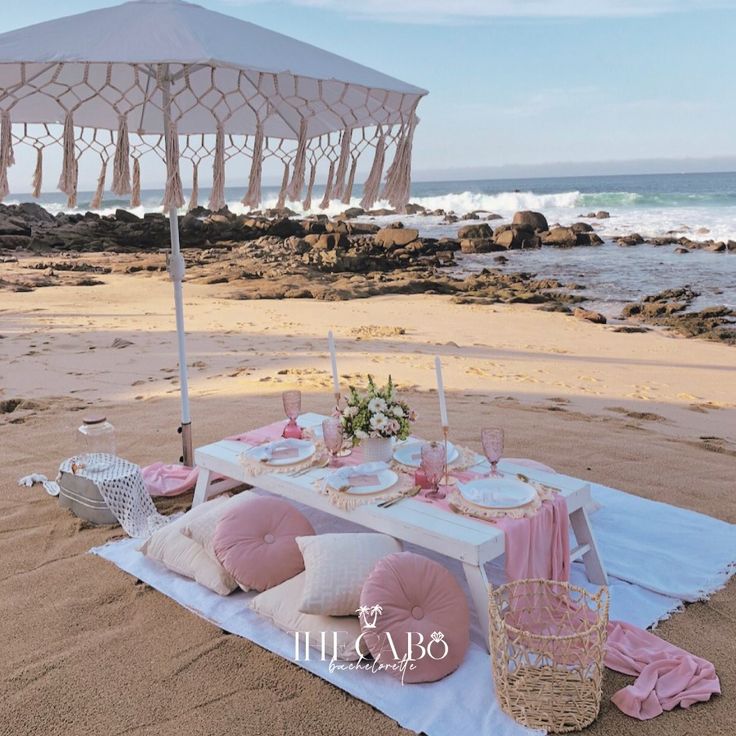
x=429, y=11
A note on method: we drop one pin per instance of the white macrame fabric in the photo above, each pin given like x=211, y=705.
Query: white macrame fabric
x=121, y=486
x=216, y=87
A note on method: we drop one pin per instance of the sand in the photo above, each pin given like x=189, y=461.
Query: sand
x=86, y=650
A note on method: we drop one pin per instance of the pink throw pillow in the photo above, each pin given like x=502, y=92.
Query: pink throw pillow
x=420, y=599
x=256, y=542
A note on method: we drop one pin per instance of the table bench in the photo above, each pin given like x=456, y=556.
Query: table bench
x=472, y=542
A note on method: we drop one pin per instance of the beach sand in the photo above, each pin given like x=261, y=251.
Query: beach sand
x=87, y=650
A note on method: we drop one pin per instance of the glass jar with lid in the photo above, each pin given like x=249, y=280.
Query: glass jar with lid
x=97, y=443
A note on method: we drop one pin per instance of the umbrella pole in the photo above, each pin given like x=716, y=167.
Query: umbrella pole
x=177, y=267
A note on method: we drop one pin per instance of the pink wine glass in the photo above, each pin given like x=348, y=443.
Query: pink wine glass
x=292, y=408
x=433, y=466
x=333, y=435
x=492, y=440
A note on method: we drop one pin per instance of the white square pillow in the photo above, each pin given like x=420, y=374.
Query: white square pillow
x=280, y=605
x=184, y=556
x=336, y=566
x=201, y=528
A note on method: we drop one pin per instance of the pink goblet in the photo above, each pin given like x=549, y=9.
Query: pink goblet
x=332, y=433
x=433, y=465
x=492, y=440
x=292, y=408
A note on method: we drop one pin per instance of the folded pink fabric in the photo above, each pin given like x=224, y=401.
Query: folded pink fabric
x=667, y=676
x=169, y=480
x=538, y=546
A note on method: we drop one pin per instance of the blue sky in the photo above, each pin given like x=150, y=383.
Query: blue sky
x=526, y=82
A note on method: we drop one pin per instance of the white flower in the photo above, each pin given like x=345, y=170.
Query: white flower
x=397, y=411
x=377, y=405
x=379, y=422
x=351, y=411
x=361, y=435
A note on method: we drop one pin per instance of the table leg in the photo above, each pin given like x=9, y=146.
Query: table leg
x=203, y=486
x=478, y=584
x=580, y=523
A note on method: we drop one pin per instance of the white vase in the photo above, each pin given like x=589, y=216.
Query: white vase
x=377, y=449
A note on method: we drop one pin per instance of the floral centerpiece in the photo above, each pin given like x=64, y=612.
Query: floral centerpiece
x=376, y=416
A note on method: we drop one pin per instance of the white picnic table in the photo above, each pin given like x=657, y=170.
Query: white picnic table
x=471, y=541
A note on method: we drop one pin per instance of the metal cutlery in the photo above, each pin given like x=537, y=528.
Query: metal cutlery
x=407, y=494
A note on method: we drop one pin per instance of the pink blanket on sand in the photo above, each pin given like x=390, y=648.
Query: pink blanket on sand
x=666, y=676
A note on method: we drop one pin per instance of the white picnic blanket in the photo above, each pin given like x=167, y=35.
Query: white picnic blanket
x=662, y=548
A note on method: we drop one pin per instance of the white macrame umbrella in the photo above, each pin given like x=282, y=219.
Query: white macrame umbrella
x=172, y=79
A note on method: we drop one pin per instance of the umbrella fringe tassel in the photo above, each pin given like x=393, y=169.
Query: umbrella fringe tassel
x=194, y=199
x=70, y=166
x=135, y=189
x=300, y=164
x=307, y=204
x=121, y=162
x=398, y=180
x=325, y=203
x=174, y=195
x=217, y=197
x=96, y=202
x=37, y=182
x=372, y=184
x=281, y=202
x=7, y=155
x=252, y=197
x=342, y=164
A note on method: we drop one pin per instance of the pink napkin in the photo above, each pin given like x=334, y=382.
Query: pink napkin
x=667, y=676
x=360, y=481
x=284, y=453
x=169, y=480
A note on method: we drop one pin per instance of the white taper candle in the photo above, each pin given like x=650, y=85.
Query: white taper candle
x=441, y=391
x=333, y=360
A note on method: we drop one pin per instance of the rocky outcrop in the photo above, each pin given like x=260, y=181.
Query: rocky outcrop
x=669, y=308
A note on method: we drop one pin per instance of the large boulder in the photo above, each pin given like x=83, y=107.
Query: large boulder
x=125, y=216
x=396, y=237
x=516, y=237
x=475, y=231
x=563, y=237
x=534, y=220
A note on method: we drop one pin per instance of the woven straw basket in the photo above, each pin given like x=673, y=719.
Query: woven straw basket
x=547, y=642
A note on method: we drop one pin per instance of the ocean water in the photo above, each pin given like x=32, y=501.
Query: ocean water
x=698, y=206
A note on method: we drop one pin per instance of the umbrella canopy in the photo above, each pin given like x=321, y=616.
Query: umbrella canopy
x=171, y=79
x=260, y=93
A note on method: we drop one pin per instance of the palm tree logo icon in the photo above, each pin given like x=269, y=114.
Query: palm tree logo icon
x=370, y=615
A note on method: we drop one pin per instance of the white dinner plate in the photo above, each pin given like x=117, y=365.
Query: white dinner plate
x=497, y=493
x=410, y=453
x=341, y=478
x=304, y=448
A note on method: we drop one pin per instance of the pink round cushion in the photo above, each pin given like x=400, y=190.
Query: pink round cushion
x=256, y=542
x=418, y=598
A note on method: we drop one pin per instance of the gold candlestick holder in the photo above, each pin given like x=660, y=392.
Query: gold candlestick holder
x=446, y=480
